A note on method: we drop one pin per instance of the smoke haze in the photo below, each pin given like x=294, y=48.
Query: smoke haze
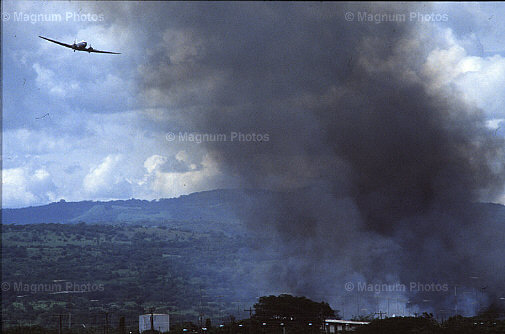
x=378, y=167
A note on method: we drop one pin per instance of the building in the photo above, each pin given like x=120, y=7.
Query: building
x=161, y=322
x=339, y=326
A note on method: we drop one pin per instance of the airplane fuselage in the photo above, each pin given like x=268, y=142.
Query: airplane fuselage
x=81, y=46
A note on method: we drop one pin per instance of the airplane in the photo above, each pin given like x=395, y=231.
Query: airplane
x=81, y=46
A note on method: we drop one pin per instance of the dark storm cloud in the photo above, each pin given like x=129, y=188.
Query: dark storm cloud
x=388, y=168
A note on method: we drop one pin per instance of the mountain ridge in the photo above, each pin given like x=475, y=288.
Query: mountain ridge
x=218, y=205
x=211, y=205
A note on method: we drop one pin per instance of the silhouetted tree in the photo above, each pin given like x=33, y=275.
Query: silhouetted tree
x=292, y=311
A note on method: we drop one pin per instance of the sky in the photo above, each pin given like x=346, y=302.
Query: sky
x=144, y=124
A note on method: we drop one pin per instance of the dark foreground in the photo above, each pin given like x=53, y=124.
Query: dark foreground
x=420, y=325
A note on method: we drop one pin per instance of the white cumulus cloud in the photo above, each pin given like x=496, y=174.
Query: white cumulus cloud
x=24, y=187
x=106, y=180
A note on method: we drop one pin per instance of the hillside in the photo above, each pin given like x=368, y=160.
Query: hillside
x=199, y=208
x=203, y=211
x=184, y=255
x=204, y=205
x=86, y=270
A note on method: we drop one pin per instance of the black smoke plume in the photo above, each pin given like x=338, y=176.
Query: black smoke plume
x=377, y=173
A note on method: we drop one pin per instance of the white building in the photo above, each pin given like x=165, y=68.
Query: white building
x=338, y=326
x=161, y=322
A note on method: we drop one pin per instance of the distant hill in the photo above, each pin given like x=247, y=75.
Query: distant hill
x=215, y=210
x=211, y=208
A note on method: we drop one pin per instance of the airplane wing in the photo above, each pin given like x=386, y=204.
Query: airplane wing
x=98, y=51
x=60, y=43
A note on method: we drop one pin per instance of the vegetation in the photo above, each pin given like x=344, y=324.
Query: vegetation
x=292, y=312
x=189, y=257
x=90, y=272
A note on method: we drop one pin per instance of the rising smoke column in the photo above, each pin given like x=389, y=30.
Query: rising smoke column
x=377, y=170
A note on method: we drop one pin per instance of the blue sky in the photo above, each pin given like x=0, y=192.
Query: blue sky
x=73, y=125
x=79, y=126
